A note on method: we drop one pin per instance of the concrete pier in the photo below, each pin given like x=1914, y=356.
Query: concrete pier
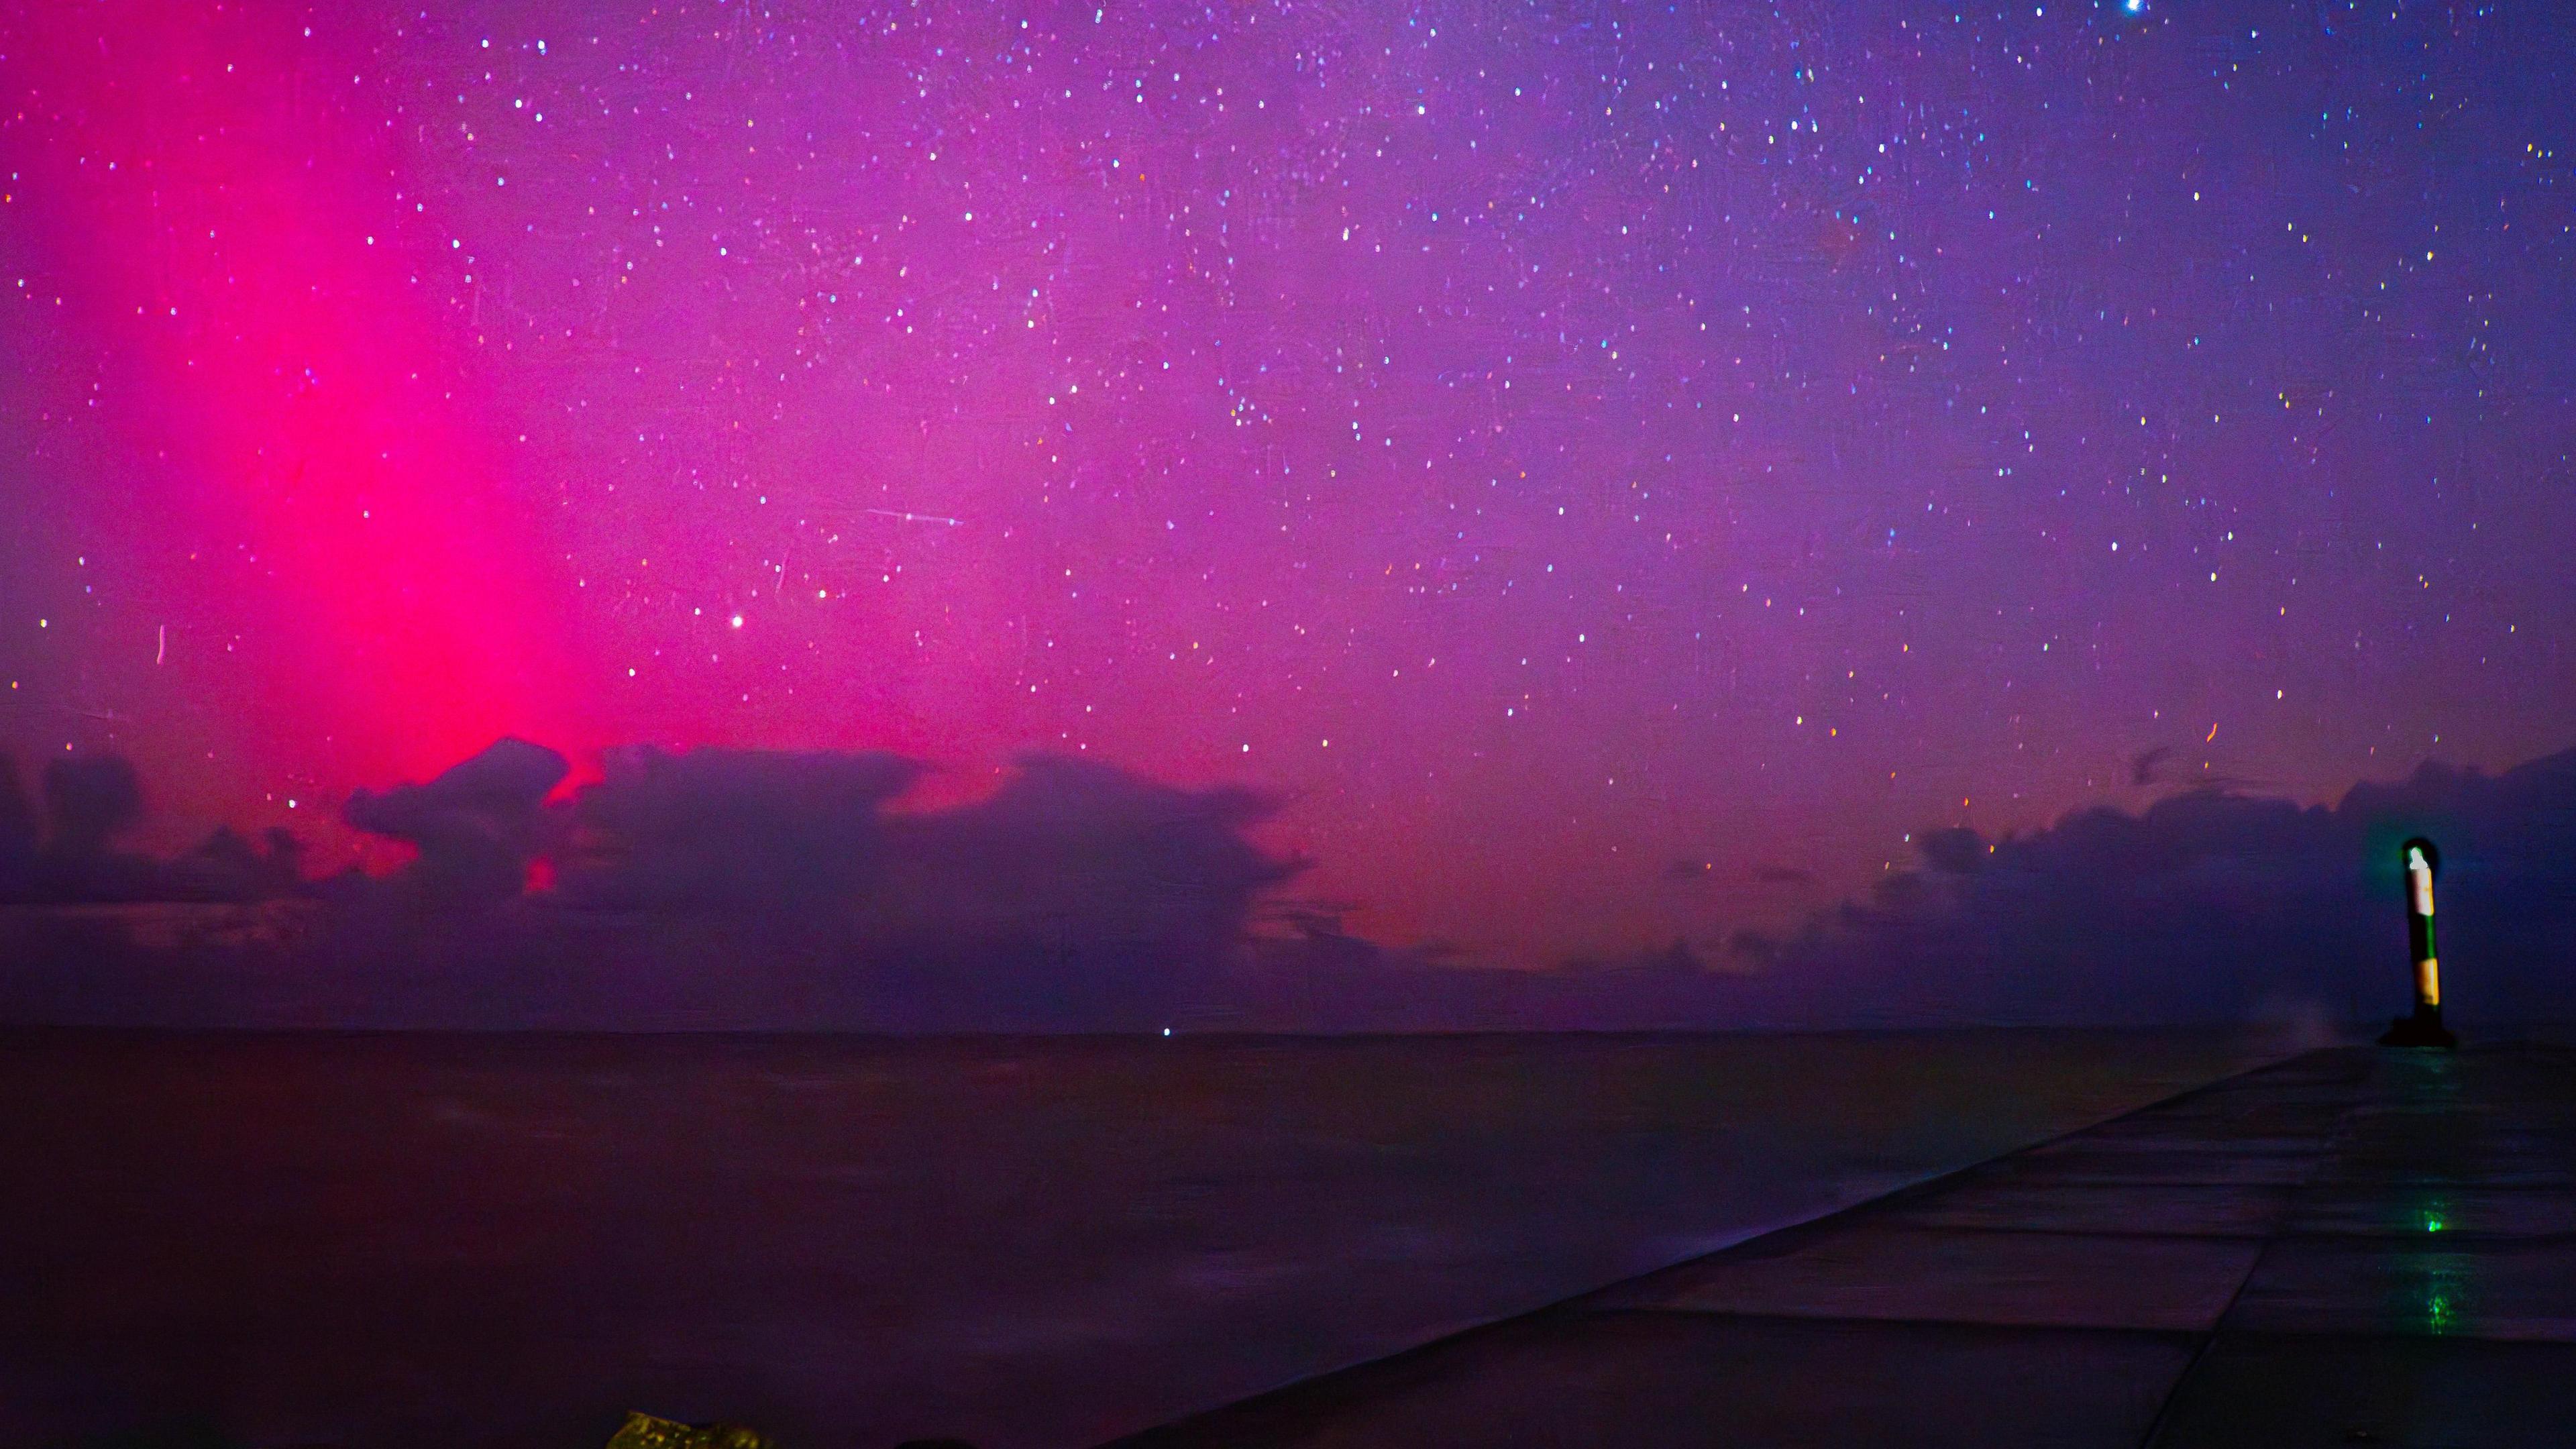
x=2359, y=1246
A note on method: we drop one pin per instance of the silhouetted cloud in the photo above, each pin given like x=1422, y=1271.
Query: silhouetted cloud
x=1074, y=850
x=2208, y=906
x=2212, y=905
x=730, y=828
x=737, y=888
x=476, y=827
x=227, y=866
x=18, y=838
x=89, y=801
x=1956, y=851
x=1065, y=852
x=765, y=888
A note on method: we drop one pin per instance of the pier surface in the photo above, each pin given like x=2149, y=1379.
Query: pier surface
x=2358, y=1246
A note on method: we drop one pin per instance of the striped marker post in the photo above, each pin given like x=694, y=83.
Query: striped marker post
x=2424, y=1028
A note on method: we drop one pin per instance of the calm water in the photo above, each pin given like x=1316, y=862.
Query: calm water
x=414, y=1240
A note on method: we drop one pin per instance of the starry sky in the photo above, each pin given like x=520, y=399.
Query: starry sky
x=1614, y=472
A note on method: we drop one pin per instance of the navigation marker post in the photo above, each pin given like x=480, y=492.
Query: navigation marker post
x=2424, y=1028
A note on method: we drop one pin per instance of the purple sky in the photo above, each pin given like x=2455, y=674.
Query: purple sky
x=1552, y=447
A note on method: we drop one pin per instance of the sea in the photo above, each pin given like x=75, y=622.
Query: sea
x=306, y=1239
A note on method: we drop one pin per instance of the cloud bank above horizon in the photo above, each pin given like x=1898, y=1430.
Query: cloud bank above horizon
x=1079, y=896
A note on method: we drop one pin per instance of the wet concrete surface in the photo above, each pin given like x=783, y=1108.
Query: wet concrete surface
x=2358, y=1246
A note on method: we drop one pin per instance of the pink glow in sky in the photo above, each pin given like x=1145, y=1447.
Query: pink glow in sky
x=1616, y=475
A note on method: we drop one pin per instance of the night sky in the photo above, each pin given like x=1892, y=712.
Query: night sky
x=1614, y=472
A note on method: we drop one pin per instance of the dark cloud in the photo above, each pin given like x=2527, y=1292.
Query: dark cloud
x=93, y=800
x=1066, y=852
x=477, y=827
x=229, y=866
x=90, y=800
x=2147, y=767
x=2208, y=906
x=1956, y=851
x=18, y=835
x=718, y=828
x=1075, y=850
x=2213, y=905
x=729, y=888
x=709, y=887
x=773, y=889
